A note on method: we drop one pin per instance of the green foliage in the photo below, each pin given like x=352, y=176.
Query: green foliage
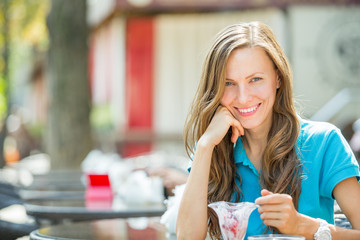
x=28, y=33
x=24, y=31
x=28, y=21
x=3, y=101
x=36, y=130
x=101, y=118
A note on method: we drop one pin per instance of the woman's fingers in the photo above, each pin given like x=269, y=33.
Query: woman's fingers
x=265, y=192
x=235, y=134
x=277, y=223
x=237, y=125
x=270, y=208
x=279, y=219
x=234, y=123
x=277, y=210
x=270, y=198
x=237, y=129
x=273, y=216
x=220, y=124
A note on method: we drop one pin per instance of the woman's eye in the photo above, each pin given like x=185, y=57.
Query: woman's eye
x=255, y=79
x=229, y=83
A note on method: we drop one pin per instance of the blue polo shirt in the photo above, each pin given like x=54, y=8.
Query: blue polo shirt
x=326, y=160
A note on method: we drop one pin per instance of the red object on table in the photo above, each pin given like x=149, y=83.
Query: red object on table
x=98, y=192
x=98, y=180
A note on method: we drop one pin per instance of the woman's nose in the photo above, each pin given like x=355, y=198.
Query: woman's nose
x=244, y=94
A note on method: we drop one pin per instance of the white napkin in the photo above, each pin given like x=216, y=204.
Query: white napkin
x=173, y=204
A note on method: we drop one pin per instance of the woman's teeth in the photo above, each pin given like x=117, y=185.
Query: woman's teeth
x=246, y=110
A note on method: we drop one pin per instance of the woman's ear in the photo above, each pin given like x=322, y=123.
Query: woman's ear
x=278, y=80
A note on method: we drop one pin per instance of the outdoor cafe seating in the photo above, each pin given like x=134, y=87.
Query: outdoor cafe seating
x=109, y=229
x=118, y=190
x=122, y=204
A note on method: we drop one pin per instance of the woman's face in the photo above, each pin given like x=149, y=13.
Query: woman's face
x=250, y=87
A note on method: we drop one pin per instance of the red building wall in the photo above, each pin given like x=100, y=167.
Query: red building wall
x=139, y=81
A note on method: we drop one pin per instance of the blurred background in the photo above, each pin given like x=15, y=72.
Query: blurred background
x=119, y=75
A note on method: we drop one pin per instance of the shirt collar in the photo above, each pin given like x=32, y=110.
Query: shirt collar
x=240, y=156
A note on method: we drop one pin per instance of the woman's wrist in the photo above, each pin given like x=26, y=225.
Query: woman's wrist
x=307, y=227
x=205, y=143
x=323, y=232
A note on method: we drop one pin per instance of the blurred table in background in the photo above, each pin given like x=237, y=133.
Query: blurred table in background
x=31, y=195
x=55, y=185
x=62, y=210
x=74, y=196
x=109, y=229
x=58, y=180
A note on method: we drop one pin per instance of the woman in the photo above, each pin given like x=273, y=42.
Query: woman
x=248, y=144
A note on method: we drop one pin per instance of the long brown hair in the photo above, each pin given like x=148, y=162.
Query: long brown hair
x=280, y=168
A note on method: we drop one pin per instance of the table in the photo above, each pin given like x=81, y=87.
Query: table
x=109, y=229
x=59, y=180
x=62, y=210
x=32, y=195
x=63, y=196
x=60, y=184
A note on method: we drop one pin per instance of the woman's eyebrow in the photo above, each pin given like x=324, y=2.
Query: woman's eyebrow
x=251, y=75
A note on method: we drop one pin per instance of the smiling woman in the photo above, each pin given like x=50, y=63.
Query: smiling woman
x=248, y=144
x=252, y=91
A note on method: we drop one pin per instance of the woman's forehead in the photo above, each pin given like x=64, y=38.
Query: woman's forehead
x=246, y=61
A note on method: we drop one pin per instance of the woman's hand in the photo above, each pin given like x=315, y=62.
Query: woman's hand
x=277, y=210
x=219, y=126
x=192, y=220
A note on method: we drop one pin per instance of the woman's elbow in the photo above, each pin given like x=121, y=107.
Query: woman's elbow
x=192, y=236
x=185, y=234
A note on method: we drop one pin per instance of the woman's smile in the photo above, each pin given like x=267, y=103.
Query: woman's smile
x=248, y=111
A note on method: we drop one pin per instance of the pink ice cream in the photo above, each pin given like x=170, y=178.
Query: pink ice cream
x=233, y=218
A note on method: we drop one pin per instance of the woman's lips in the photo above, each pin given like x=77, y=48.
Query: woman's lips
x=245, y=112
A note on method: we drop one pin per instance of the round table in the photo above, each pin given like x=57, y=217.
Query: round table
x=108, y=229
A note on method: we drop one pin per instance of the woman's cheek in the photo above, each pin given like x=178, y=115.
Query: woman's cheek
x=227, y=98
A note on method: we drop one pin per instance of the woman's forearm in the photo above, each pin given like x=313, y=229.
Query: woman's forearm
x=308, y=226
x=339, y=233
x=192, y=217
